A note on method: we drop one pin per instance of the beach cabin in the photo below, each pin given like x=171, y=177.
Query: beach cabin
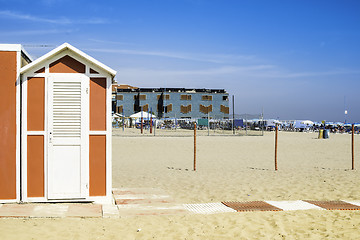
x=12, y=58
x=65, y=128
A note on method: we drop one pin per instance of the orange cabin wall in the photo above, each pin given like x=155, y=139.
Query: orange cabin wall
x=97, y=104
x=35, y=166
x=97, y=165
x=36, y=104
x=35, y=143
x=97, y=147
x=66, y=64
x=8, y=125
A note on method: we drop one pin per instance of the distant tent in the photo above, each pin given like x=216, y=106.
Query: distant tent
x=142, y=114
x=307, y=122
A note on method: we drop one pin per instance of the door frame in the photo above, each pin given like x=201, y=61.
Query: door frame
x=84, y=141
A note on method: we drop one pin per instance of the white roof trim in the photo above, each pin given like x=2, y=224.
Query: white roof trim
x=10, y=47
x=61, y=48
x=15, y=48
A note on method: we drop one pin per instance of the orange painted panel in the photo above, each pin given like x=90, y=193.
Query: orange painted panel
x=36, y=104
x=67, y=64
x=97, y=165
x=8, y=125
x=35, y=166
x=97, y=104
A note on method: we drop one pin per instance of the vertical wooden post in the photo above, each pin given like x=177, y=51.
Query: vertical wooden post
x=208, y=124
x=195, y=146
x=151, y=124
x=233, y=108
x=276, y=142
x=142, y=125
x=352, y=148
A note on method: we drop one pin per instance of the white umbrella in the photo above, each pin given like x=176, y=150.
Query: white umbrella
x=307, y=122
x=142, y=114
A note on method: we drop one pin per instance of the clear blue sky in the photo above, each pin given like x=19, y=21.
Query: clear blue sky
x=294, y=59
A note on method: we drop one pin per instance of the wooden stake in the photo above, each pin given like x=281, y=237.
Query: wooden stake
x=151, y=124
x=195, y=146
x=352, y=148
x=208, y=125
x=233, y=108
x=276, y=142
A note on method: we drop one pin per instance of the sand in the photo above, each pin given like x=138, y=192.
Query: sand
x=228, y=168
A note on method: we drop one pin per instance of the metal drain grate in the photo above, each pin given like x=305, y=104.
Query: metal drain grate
x=334, y=205
x=251, y=206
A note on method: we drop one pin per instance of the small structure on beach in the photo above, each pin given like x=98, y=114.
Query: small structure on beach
x=12, y=58
x=65, y=129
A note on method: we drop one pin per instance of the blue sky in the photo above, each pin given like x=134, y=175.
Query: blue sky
x=294, y=59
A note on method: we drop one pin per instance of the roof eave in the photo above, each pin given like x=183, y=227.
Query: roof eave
x=16, y=48
x=63, y=47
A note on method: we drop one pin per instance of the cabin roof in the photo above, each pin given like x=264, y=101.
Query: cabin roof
x=67, y=47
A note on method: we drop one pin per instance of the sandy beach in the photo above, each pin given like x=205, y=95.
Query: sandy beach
x=229, y=168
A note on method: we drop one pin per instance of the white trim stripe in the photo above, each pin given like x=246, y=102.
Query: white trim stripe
x=101, y=133
x=36, y=133
x=18, y=122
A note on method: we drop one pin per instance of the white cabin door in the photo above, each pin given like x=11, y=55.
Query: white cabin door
x=68, y=165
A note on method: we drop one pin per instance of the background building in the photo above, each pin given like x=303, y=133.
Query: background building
x=171, y=102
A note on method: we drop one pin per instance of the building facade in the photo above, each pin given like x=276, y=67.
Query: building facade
x=171, y=102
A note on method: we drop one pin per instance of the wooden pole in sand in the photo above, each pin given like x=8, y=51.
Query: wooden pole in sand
x=141, y=120
x=195, y=146
x=151, y=124
x=233, y=108
x=151, y=121
x=352, y=148
x=208, y=125
x=276, y=142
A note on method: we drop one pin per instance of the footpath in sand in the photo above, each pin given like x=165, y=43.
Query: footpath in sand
x=151, y=201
